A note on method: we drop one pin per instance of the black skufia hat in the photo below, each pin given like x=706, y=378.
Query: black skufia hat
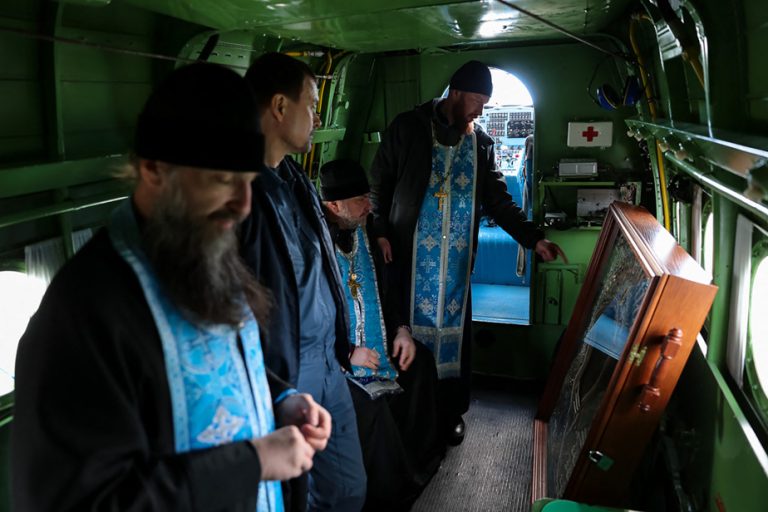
x=342, y=179
x=474, y=76
x=202, y=115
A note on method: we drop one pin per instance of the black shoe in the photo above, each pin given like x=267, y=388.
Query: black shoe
x=456, y=434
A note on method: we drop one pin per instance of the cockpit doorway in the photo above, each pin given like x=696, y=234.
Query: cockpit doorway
x=501, y=278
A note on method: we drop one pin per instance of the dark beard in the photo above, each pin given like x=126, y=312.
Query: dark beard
x=459, y=125
x=199, y=267
x=449, y=134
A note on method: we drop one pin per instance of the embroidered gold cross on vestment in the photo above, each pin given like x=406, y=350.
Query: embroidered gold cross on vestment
x=354, y=285
x=441, y=196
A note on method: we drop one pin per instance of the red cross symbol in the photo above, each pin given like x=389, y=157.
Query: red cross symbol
x=590, y=133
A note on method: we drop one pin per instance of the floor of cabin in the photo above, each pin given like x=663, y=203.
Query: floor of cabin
x=491, y=469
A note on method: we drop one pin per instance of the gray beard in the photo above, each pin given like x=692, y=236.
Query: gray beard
x=200, y=268
x=350, y=224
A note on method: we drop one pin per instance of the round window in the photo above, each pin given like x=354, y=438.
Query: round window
x=709, y=247
x=20, y=296
x=758, y=328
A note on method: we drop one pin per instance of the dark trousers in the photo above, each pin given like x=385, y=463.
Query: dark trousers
x=453, y=393
x=337, y=480
x=399, y=436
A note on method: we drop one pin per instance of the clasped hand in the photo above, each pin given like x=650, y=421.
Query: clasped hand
x=305, y=428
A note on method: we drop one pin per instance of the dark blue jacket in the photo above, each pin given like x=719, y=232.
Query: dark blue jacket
x=264, y=249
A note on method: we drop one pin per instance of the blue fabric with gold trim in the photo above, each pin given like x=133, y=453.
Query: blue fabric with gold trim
x=365, y=316
x=442, y=252
x=217, y=396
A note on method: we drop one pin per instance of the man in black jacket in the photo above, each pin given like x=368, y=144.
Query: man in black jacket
x=286, y=243
x=140, y=382
x=432, y=178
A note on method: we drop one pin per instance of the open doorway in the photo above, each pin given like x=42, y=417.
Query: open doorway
x=501, y=278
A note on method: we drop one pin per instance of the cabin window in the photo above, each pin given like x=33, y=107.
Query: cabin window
x=44, y=259
x=681, y=224
x=701, y=215
x=757, y=336
x=21, y=293
x=702, y=242
x=677, y=226
x=756, y=368
x=20, y=296
x=708, y=246
x=747, y=356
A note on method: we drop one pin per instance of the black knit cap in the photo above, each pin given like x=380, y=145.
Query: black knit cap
x=342, y=179
x=474, y=76
x=202, y=115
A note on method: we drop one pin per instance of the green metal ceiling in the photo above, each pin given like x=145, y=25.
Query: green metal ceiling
x=382, y=25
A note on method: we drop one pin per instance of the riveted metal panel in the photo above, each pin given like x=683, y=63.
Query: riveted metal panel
x=372, y=25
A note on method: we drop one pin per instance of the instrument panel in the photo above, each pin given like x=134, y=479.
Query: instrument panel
x=508, y=126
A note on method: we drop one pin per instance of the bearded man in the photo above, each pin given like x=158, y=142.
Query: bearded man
x=140, y=381
x=432, y=175
x=393, y=380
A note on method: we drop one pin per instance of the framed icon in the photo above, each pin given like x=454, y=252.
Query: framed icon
x=636, y=320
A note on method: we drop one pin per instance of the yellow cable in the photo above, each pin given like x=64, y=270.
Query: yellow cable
x=652, y=108
x=321, y=93
x=641, y=64
x=695, y=64
x=663, y=187
x=306, y=53
x=311, y=160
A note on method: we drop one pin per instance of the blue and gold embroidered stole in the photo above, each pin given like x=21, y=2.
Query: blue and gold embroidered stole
x=442, y=249
x=217, y=396
x=366, y=320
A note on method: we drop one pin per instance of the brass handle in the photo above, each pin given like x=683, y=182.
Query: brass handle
x=672, y=343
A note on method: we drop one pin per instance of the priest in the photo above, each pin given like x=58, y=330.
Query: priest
x=393, y=379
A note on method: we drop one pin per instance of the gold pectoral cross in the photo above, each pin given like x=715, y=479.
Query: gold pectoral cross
x=354, y=285
x=441, y=196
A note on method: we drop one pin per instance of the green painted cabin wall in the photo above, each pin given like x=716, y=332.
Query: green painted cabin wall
x=354, y=104
x=724, y=466
x=753, y=43
x=724, y=22
x=22, y=124
x=100, y=93
x=78, y=101
x=67, y=102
